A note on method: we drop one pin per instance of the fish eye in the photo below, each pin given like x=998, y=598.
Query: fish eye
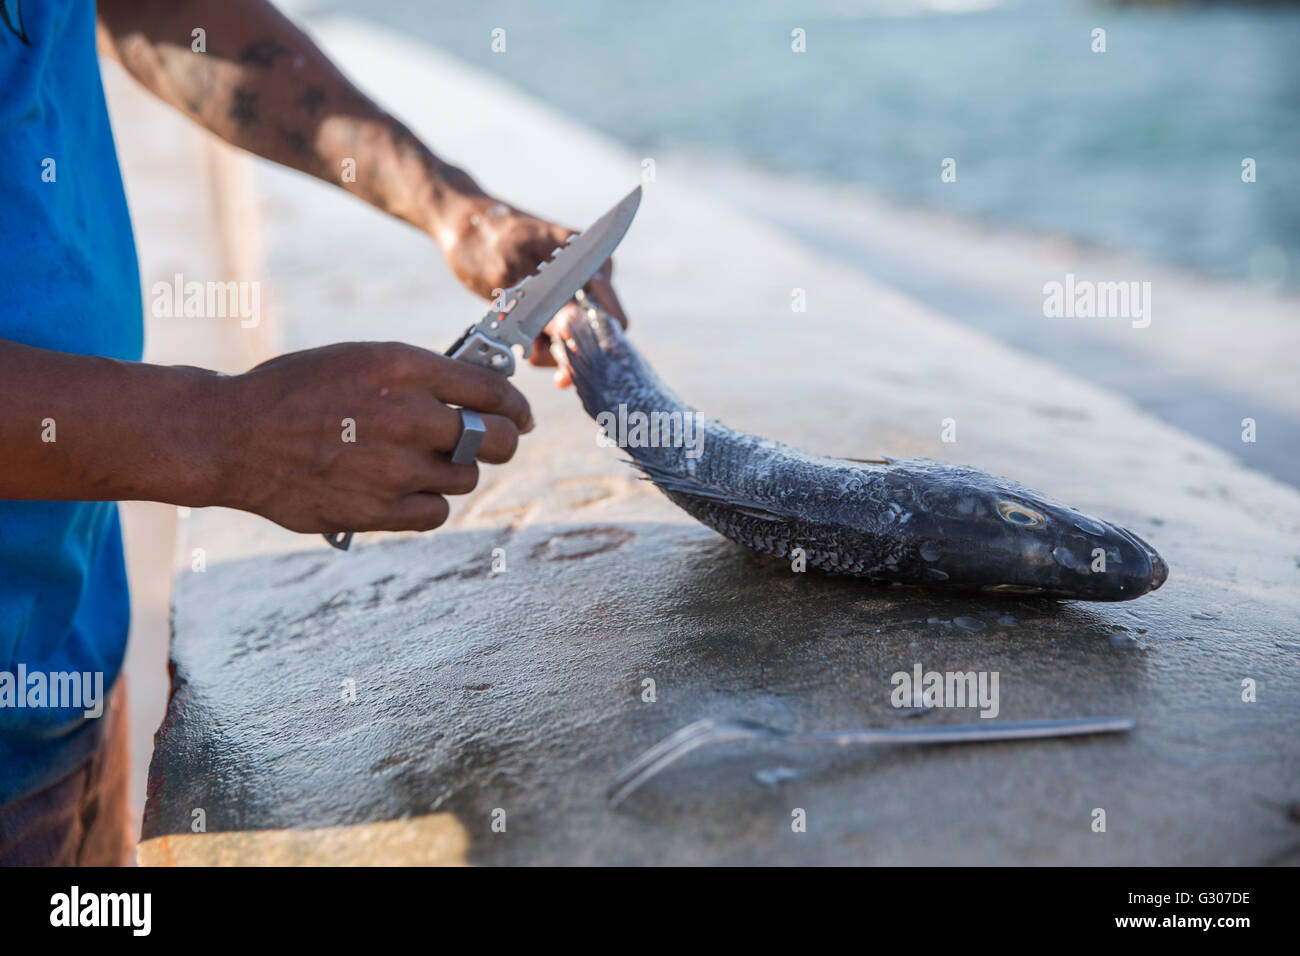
x=1023, y=515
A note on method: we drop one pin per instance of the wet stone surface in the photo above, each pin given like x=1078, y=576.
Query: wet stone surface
x=523, y=691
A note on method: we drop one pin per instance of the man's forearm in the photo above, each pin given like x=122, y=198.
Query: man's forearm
x=356, y=436
x=262, y=84
x=79, y=427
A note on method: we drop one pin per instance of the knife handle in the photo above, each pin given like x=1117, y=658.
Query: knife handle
x=338, y=539
x=475, y=348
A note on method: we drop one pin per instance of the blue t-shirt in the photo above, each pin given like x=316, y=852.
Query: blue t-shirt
x=69, y=281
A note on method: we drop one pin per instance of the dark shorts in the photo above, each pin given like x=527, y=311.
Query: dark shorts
x=83, y=819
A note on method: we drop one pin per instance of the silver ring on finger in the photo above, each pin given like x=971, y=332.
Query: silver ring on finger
x=472, y=431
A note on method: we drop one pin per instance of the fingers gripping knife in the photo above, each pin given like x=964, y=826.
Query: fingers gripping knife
x=520, y=313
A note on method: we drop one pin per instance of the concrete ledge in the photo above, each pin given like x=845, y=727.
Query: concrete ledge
x=433, y=840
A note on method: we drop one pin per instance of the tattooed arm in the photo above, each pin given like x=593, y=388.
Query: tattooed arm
x=260, y=83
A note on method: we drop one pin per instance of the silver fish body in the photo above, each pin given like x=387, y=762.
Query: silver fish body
x=912, y=521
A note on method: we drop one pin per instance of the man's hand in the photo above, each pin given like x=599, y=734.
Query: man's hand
x=358, y=437
x=491, y=246
x=351, y=437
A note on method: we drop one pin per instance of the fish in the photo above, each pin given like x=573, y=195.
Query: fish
x=909, y=521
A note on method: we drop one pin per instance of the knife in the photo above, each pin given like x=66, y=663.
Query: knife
x=520, y=313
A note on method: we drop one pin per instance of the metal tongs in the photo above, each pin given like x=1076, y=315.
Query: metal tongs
x=703, y=733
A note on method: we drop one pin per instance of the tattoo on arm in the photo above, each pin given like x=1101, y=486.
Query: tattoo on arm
x=304, y=114
x=312, y=99
x=297, y=142
x=399, y=134
x=263, y=53
x=243, y=109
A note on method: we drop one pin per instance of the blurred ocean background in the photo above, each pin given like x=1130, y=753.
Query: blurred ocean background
x=1137, y=148
x=1117, y=166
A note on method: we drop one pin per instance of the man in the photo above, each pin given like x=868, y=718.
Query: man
x=84, y=424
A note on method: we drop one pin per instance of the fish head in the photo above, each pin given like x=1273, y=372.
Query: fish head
x=998, y=535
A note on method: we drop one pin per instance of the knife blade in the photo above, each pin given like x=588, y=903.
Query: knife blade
x=521, y=312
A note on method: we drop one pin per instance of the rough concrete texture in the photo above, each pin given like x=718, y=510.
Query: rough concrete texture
x=434, y=840
x=522, y=691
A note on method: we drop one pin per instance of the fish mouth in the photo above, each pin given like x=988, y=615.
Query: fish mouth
x=1159, y=568
x=1159, y=571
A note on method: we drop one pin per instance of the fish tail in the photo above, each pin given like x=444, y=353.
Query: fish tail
x=612, y=379
x=580, y=348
